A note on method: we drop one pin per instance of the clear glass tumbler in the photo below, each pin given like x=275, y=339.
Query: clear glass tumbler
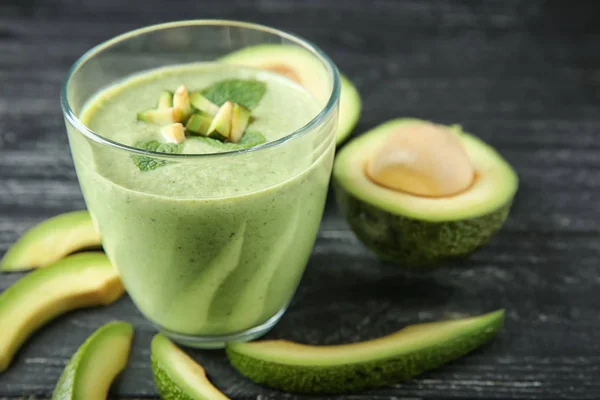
x=216, y=262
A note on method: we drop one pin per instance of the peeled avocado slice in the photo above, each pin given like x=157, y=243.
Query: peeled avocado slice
x=80, y=280
x=95, y=365
x=301, y=66
x=177, y=376
x=295, y=367
x=50, y=241
x=418, y=230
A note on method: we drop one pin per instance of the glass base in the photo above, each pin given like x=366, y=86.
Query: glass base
x=218, y=342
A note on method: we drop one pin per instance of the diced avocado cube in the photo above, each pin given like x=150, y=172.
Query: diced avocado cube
x=203, y=104
x=165, y=100
x=239, y=122
x=199, y=123
x=221, y=124
x=181, y=100
x=174, y=133
x=161, y=117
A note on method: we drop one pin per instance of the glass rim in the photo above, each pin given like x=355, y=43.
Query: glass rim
x=314, y=122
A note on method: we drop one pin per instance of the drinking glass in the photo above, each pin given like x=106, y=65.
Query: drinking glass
x=218, y=261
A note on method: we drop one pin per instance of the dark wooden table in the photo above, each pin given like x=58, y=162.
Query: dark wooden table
x=524, y=75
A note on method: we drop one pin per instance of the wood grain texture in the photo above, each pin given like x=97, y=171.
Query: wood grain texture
x=523, y=75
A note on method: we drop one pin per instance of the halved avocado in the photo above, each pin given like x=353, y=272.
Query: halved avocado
x=302, y=67
x=51, y=240
x=80, y=280
x=417, y=230
x=395, y=358
x=177, y=376
x=95, y=365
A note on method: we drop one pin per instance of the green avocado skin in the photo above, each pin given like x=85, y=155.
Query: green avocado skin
x=167, y=389
x=414, y=242
x=359, y=376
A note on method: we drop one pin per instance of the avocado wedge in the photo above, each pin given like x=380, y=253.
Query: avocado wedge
x=80, y=280
x=301, y=368
x=178, y=376
x=417, y=230
x=50, y=241
x=95, y=365
x=302, y=67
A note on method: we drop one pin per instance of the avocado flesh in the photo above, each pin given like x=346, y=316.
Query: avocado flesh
x=163, y=116
x=310, y=74
x=50, y=241
x=95, y=365
x=199, y=123
x=177, y=376
x=220, y=127
x=354, y=367
x=165, y=100
x=201, y=103
x=423, y=231
x=80, y=280
x=239, y=122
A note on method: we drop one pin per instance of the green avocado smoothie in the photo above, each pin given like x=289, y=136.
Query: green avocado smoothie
x=214, y=241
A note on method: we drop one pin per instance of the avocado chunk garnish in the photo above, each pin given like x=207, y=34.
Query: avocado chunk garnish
x=177, y=375
x=199, y=123
x=395, y=358
x=182, y=113
x=239, y=122
x=174, y=133
x=201, y=103
x=181, y=100
x=51, y=240
x=165, y=100
x=420, y=201
x=220, y=127
x=95, y=365
x=162, y=116
x=81, y=280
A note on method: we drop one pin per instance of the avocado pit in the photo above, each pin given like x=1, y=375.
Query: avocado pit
x=422, y=159
x=284, y=70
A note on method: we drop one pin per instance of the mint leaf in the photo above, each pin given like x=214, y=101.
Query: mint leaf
x=145, y=163
x=245, y=92
x=250, y=139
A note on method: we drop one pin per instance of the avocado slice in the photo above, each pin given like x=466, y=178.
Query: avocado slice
x=301, y=66
x=95, y=365
x=178, y=376
x=295, y=367
x=163, y=116
x=239, y=122
x=220, y=127
x=80, y=280
x=201, y=103
x=199, y=123
x=416, y=230
x=51, y=240
x=165, y=100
